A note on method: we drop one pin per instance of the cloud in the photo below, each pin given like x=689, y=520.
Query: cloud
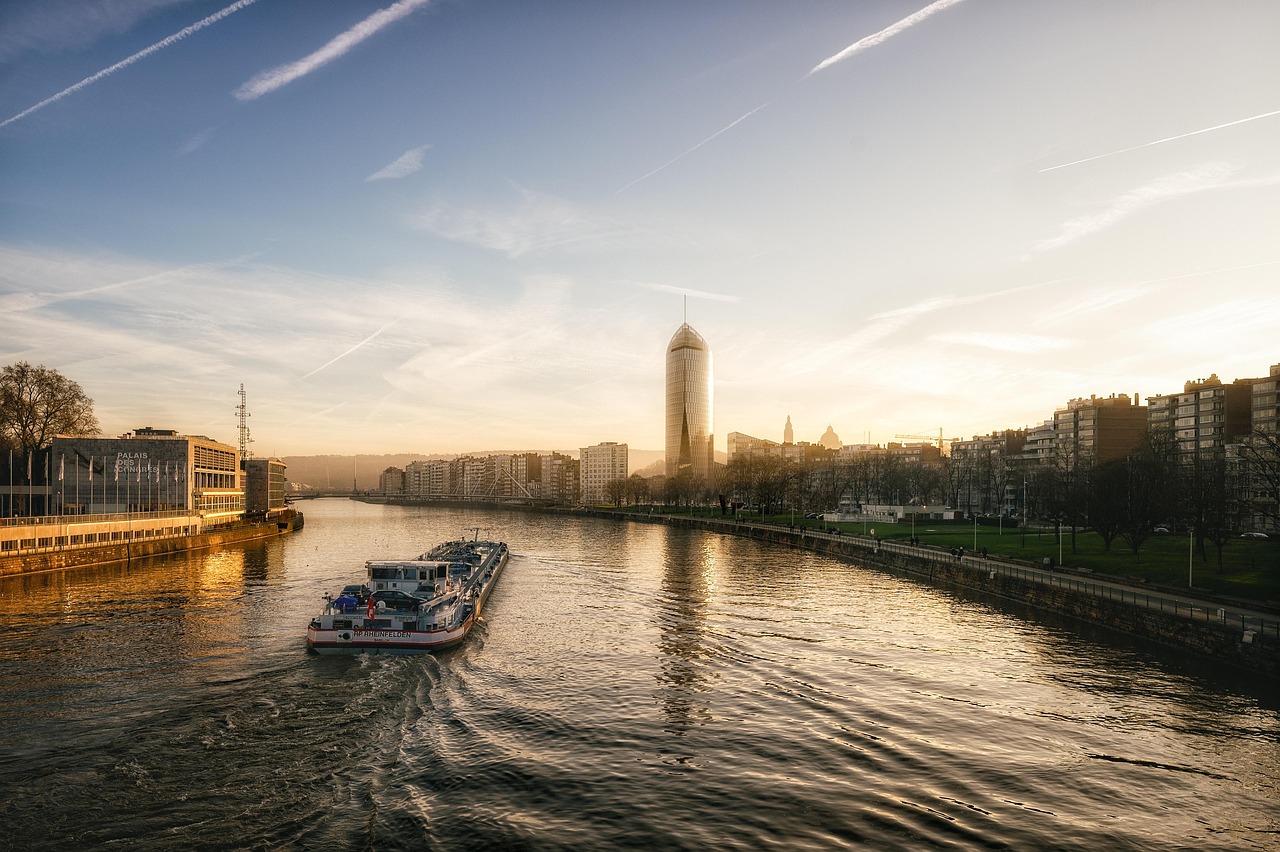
x=349, y=351
x=58, y=25
x=697, y=294
x=1024, y=343
x=1167, y=188
x=940, y=303
x=141, y=54
x=282, y=75
x=884, y=35
x=533, y=222
x=196, y=142
x=695, y=147
x=404, y=165
x=1162, y=141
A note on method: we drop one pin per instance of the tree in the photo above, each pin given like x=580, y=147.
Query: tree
x=37, y=403
x=616, y=489
x=637, y=488
x=1260, y=468
x=1108, y=500
x=1151, y=488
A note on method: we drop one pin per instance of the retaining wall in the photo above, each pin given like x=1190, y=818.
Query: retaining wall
x=1222, y=643
x=141, y=549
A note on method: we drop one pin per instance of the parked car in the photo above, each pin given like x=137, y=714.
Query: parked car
x=1253, y=535
x=357, y=591
x=1162, y=530
x=396, y=599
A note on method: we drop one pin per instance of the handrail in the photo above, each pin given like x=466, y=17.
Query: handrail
x=1223, y=615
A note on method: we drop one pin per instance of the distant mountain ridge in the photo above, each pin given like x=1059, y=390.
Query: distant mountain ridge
x=338, y=471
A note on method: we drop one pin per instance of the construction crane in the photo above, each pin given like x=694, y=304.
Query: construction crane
x=943, y=443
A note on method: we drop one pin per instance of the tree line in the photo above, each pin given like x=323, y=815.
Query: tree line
x=1214, y=493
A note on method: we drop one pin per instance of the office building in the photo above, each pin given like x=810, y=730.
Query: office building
x=151, y=470
x=690, y=436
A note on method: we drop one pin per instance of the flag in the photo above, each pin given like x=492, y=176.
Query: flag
x=91, y=469
x=62, y=466
x=117, y=470
x=139, y=479
x=368, y=612
x=30, y=456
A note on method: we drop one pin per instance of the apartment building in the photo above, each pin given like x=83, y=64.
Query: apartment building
x=1207, y=415
x=1099, y=429
x=600, y=465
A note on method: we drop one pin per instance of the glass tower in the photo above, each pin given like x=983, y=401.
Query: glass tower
x=690, y=438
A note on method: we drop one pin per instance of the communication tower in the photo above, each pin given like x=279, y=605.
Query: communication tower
x=242, y=412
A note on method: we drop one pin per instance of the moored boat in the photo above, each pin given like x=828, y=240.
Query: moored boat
x=411, y=606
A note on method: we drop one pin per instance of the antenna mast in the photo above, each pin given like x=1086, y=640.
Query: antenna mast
x=242, y=413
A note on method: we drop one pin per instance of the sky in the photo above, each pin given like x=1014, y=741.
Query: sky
x=465, y=226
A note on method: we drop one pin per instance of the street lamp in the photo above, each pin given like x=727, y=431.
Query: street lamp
x=1191, y=551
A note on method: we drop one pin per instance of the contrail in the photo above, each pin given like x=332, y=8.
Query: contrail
x=282, y=75
x=1161, y=141
x=694, y=148
x=125, y=63
x=884, y=35
x=349, y=351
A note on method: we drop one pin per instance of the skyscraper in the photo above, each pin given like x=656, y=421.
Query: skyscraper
x=690, y=435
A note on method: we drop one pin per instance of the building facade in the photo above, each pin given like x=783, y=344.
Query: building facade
x=265, y=485
x=600, y=465
x=1207, y=415
x=690, y=435
x=1098, y=429
x=150, y=470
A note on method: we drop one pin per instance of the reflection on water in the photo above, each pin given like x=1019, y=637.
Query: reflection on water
x=629, y=685
x=688, y=577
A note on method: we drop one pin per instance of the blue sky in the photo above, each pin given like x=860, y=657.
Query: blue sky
x=454, y=226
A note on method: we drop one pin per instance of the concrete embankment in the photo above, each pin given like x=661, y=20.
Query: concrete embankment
x=1205, y=629
x=125, y=552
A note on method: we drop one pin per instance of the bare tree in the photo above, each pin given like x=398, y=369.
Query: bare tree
x=615, y=489
x=37, y=403
x=1152, y=488
x=637, y=488
x=1260, y=470
x=1108, y=493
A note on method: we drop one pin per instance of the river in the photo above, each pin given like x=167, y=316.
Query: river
x=630, y=685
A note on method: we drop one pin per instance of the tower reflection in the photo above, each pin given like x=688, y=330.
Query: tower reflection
x=681, y=613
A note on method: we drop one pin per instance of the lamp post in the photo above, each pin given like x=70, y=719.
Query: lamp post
x=1024, y=511
x=975, y=532
x=1191, y=551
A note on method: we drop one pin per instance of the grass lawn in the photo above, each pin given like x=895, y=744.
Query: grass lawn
x=1250, y=569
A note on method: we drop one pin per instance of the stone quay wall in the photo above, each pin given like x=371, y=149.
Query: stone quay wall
x=1245, y=650
x=126, y=552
